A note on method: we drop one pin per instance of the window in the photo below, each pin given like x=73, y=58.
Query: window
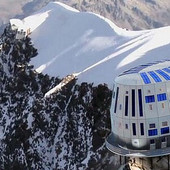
x=145, y=78
x=152, y=125
x=126, y=105
x=154, y=76
x=133, y=102
x=150, y=99
x=126, y=92
x=141, y=129
x=152, y=132
x=167, y=70
x=161, y=97
x=134, y=128
x=152, y=141
x=163, y=74
x=113, y=91
x=117, y=93
x=140, y=102
x=120, y=107
x=163, y=139
x=126, y=126
x=113, y=94
x=164, y=130
x=165, y=123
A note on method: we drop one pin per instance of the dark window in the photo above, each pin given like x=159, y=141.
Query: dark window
x=154, y=76
x=167, y=70
x=145, y=78
x=163, y=139
x=126, y=105
x=152, y=141
x=161, y=97
x=152, y=125
x=165, y=123
x=133, y=102
x=117, y=93
x=134, y=128
x=163, y=74
x=152, y=132
x=140, y=102
x=126, y=126
x=120, y=107
x=150, y=99
x=164, y=130
x=113, y=94
x=141, y=129
x=113, y=91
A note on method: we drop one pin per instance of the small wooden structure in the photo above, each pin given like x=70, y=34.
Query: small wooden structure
x=64, y=82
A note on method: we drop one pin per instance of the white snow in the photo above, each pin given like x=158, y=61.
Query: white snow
x=56, y=88
x=69, y=41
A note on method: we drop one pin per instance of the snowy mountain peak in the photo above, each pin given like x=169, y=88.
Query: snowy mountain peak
x=69, y=42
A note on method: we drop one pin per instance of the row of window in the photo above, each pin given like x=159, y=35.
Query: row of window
x=148, y=99
x=163, y=139
x=155, y=77
x=151, y=132
x=141, y=129
x=154, y=132
x=133, y=103
x=151, y=98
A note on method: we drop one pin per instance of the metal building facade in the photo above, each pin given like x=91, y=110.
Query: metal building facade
x=140, y=112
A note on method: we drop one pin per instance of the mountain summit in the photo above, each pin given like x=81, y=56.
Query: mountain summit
x=69, y=42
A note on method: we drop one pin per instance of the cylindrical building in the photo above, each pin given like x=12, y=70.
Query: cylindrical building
x=140, y=112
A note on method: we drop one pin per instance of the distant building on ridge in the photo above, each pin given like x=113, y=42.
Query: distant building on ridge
x=21, y=30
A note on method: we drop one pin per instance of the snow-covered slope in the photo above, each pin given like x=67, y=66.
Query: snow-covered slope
x=69, y=42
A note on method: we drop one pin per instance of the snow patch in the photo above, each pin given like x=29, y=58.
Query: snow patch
x=69, y=41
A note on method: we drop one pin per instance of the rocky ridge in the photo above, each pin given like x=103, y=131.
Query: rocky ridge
x=133, y=15
x=65, y=131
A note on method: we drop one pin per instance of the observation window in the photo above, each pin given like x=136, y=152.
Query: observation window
x=161, y=97
x=152, y=125
x=133, y=102
x=134, y=128
x=150, y=99
x=163, y=74
x=117, y=93
x=154, y=76
x=152, y=132
x=126, y=105
x=141, y=129
x=140, y=102
x=164, y=130
x=145, y=78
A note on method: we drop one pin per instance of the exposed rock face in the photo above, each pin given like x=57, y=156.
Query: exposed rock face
x=130, y=14
x=134, y=15
x=65, y=131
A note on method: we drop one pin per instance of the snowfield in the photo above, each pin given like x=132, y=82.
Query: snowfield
x=69, y=41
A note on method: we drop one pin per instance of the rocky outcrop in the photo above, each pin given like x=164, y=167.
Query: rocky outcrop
x=65, y=131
